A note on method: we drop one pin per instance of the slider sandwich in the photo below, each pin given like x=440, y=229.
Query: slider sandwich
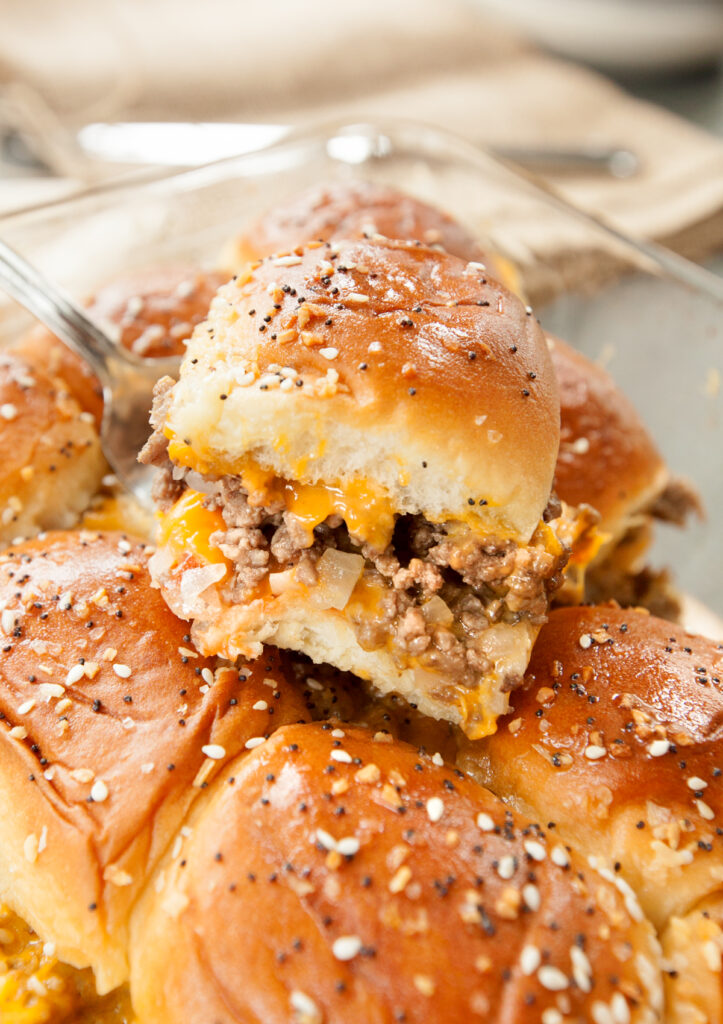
x=357, y=462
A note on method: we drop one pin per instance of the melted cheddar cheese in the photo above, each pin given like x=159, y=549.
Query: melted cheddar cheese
x=187, y=528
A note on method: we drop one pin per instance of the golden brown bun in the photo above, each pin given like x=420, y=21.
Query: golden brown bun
x=607, y=458
x=98, y=770
x=150, y=312
x=354, y=209
x=418, y=376
x=51, y=463
x=330, y=877
x=616, y=737
x=692, y=947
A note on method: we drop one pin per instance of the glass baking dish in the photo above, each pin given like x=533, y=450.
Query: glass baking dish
x=653, y=319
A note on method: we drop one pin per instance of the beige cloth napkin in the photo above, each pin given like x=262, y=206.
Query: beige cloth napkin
x=291, y=61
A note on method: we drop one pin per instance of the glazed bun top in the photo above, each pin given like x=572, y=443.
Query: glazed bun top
x=617, y=736
x=151, y=312
x=607, y=458
x=353, y=210
x=111, y=725
x=390, y=363
x=391, y=889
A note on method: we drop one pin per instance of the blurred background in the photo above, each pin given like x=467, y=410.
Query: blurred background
x=616, y=103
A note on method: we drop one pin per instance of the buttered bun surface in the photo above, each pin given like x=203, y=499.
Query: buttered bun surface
x=617, y=737
x=51, y=463
x=331, y=876
x=111, y=725
x=151, y=312
x=357, y=209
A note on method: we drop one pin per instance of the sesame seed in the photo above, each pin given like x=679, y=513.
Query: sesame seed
x=704, y=810
x=8, y=411
x=26, y=706
x=552, y=978
x=207, y=676
x=286, y=261
x=305, y=1007
x=346, y=947
x=658, y=747
x=531, y=896
x=534, y=849
x=530, y=959
x=696, y=783
x=558, y=855
x=437, y=759
x=99, y=791
x=435, y=808
x=348, y=846
x=485, y=822
x=506, y=867
x=338, y=734
x=255, y=741
x=214, y=750
x=594, y=753
x=121, y=670
x=325, y=839
x=261, y=705
x=341, y=755
x=75, y=674
x=585, y=641
x=329, y=353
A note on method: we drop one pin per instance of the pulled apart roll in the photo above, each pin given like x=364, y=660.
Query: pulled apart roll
x=361, y=447
x=150, y=312
x=111, y=726
x=333, y=875
x=608, y=460
x=51, y=463
x=616, y=737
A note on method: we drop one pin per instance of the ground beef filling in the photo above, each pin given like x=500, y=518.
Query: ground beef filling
x=480, y=582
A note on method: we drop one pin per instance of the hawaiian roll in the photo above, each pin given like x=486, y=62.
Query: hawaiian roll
x=52, y=462
x=609, y=461
x=362, y=443
x=616, y=738
x=333, y=875
x=151, y=312
x=692, y=948
x=111, y=726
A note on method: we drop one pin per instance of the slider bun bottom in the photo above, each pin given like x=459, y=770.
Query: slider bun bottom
x=328, y=637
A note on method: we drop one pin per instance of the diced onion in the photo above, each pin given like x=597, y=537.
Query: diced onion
x=338, y=573
x=435, y=610
x=281, y=581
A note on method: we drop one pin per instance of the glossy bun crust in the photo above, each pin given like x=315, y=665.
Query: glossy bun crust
x=354, y=210
x=50, y=458
x=616, y=736
x=150, y=312
x=607, y=458
x=105, y=711
x=387, y=361
x=331, y=876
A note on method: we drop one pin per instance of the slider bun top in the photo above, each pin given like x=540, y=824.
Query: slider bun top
x=333, y=876
x=389, y=364
x=152, y=312
x=352, y=210
x=617, y=736
x=51, y=463
x=105, y=713
x=607, y=458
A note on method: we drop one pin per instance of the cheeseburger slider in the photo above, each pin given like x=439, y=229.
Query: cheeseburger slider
x=358, y=459
x=608, y=460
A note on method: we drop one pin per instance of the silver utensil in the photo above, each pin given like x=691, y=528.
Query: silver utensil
x=126, y=379
x=189, y=144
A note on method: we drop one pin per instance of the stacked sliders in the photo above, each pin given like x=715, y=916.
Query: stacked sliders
x=393, y=817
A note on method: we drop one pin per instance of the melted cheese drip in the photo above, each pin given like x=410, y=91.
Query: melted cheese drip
x=187, y=527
